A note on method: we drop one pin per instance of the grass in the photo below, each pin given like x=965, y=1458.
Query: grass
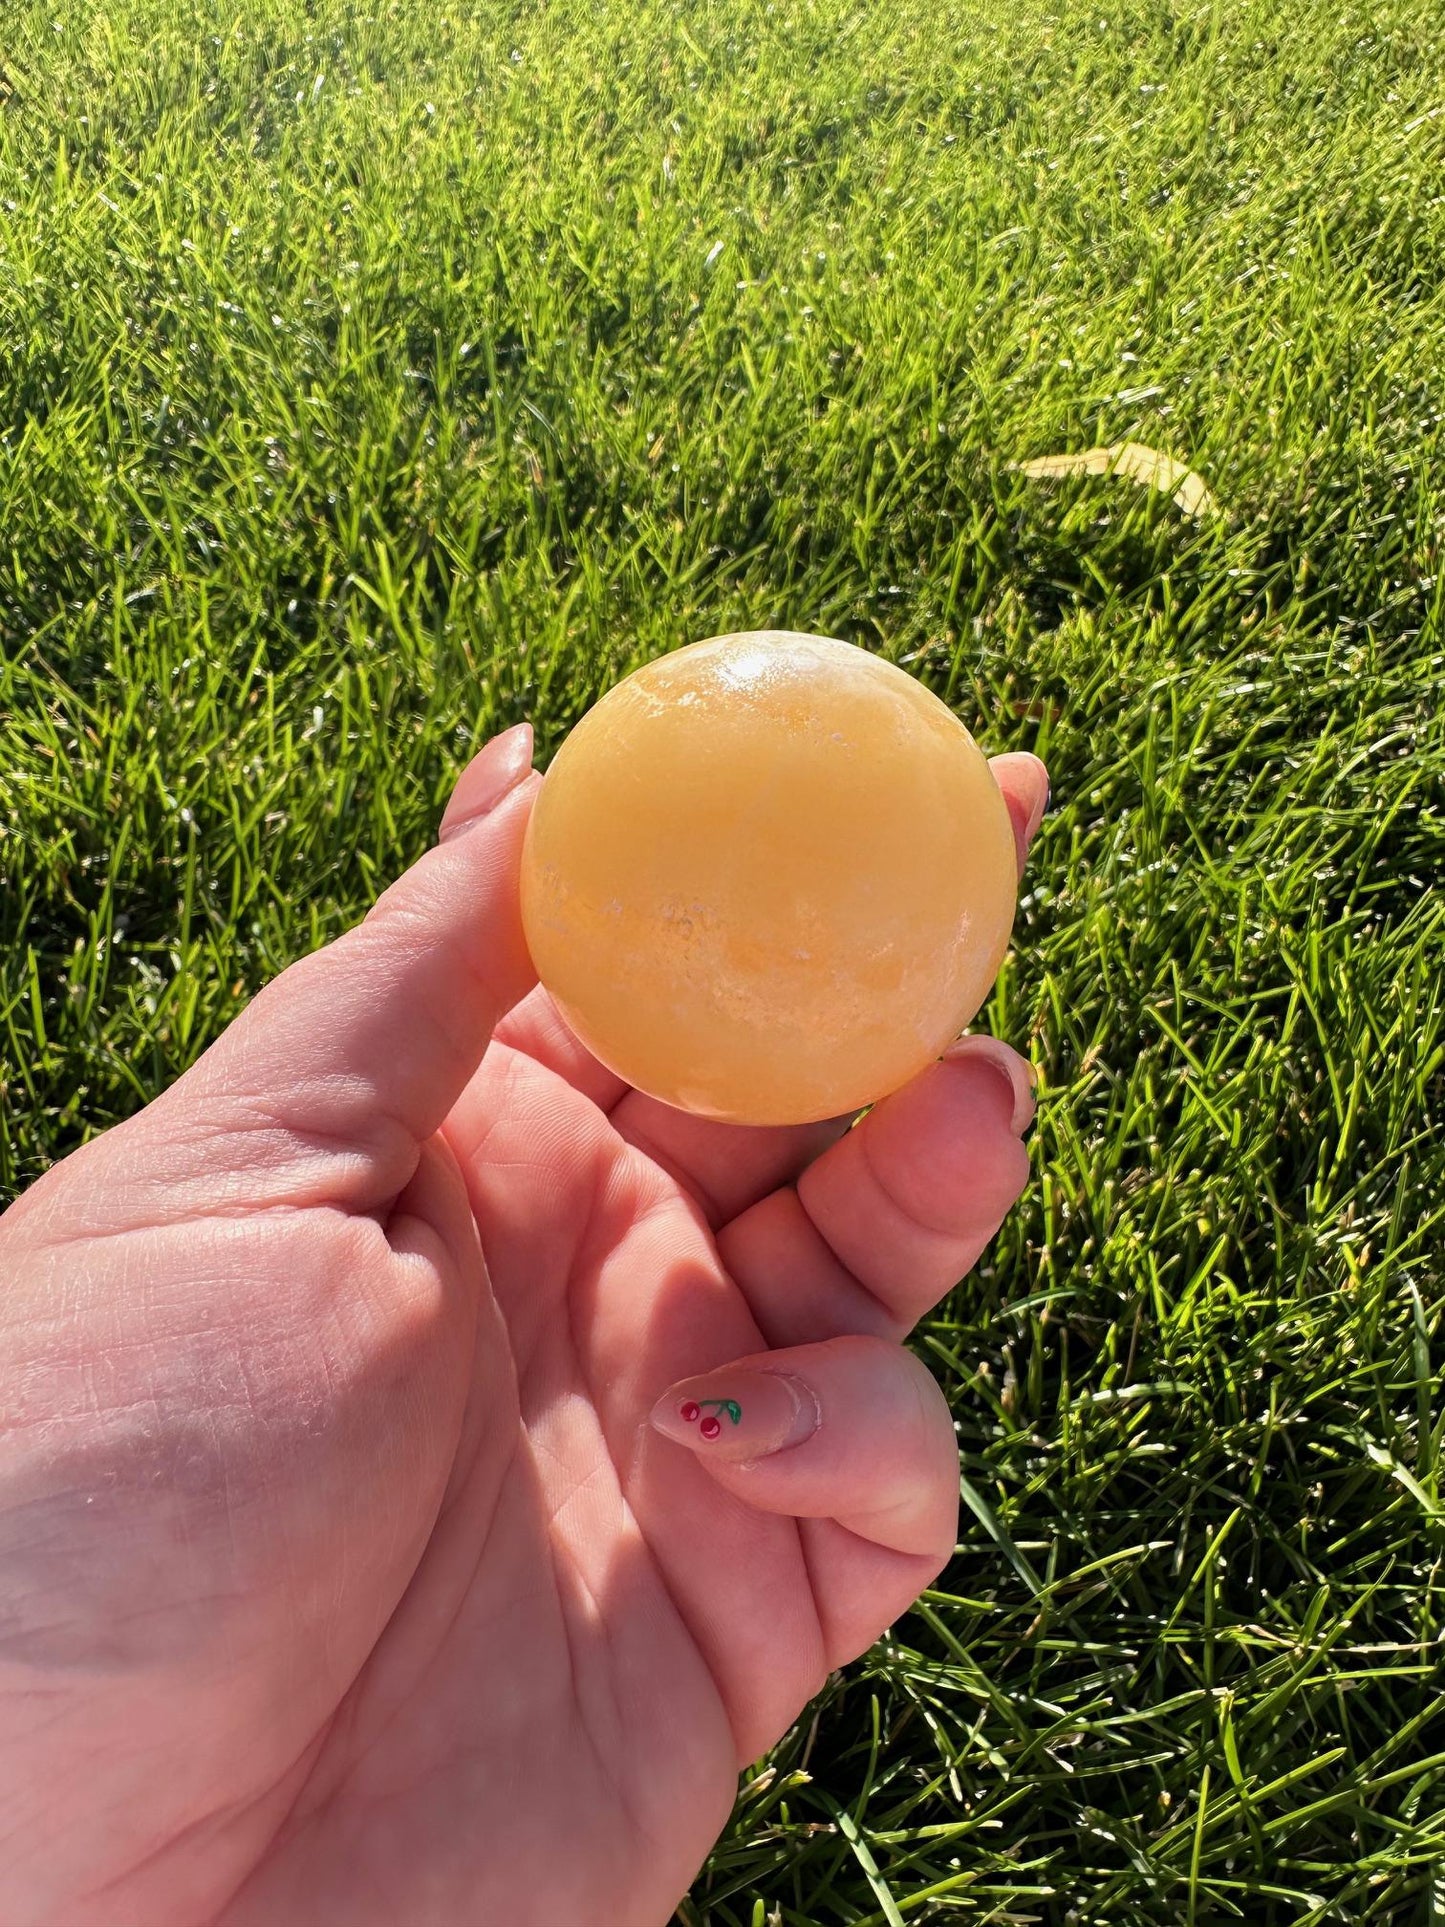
x=371, y=379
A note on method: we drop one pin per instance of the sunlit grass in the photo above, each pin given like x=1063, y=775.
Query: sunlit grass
x=371, y=379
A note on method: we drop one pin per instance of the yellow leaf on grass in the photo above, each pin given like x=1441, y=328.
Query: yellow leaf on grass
x=1139, y=463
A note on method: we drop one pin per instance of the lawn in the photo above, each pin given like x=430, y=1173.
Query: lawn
x=373, y=378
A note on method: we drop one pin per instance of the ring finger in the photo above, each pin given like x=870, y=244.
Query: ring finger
x=886, y=1221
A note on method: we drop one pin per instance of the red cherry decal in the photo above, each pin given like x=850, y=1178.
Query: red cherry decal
x=709, y=1428
x=689, y=1411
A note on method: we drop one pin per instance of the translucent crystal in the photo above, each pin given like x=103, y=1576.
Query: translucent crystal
x=769, y=877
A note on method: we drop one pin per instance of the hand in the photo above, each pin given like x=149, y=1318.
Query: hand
x=342, y=1576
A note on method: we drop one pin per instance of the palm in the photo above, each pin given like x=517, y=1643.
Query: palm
x=345, y=1579
x=580, y=1564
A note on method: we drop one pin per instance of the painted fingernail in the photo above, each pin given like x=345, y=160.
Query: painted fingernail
x=738, y=1414
x=1015, y=1071
x=490, y=776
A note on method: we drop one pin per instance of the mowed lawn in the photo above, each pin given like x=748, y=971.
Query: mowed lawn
x=373, y=376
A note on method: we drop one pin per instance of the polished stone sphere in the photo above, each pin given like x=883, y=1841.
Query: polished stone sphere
x=769, y=878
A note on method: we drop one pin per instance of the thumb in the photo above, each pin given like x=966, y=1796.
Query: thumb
x=853, y=1438
x=367, y=1043
x=853, y=1429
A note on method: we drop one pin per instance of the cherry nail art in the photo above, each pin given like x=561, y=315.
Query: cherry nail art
x=711, y=1426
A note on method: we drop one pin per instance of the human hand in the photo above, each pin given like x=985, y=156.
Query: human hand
x=342, y=1576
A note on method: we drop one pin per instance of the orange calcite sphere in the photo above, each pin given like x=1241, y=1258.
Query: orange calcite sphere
x=768, y=878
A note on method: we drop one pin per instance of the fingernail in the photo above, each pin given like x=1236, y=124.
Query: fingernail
x=738, y=1414
x=1003, y=1063
x=487, y=779
x=1040, y=804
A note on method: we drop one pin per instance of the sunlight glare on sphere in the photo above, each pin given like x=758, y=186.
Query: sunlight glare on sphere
x=768, y=878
